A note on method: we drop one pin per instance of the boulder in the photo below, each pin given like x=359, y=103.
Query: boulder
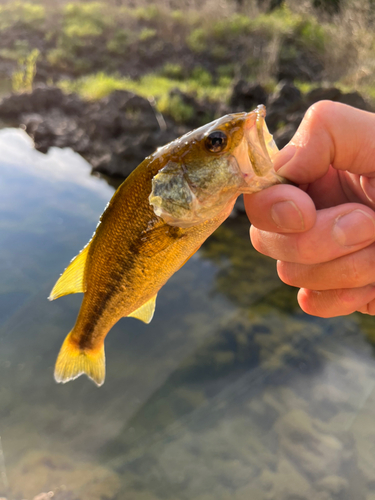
x=246, y=96
x=287, y=99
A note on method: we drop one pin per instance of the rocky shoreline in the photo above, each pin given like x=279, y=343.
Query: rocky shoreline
x=116, y=133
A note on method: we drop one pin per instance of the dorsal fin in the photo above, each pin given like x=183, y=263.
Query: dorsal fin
x=146, y=312
x=71, y=280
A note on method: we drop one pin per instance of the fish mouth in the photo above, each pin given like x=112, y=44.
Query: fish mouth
x=259, y=148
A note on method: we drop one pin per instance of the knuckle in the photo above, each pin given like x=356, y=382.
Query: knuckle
x=320, y=111
x=346, y=297
x=352, y=272
x=310, y=302
x=306, y=252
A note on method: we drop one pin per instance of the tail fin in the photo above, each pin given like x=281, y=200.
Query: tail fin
x=73, y=362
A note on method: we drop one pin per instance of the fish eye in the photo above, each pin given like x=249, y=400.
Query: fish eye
x=216, y=141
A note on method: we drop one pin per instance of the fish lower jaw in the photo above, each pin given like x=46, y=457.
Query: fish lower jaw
x=254, y=183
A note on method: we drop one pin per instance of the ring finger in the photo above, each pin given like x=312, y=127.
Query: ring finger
x=338, y=231
x=330, y=303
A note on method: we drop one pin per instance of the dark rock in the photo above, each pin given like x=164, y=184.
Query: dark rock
x=246, y=96
x=304, y=66
x=203, y=112
x=356, y=100
x=287, y=107
x=114, y=134
x=322, y=94
x=57, y=129
x=286, y=99
x=285, y=95
x=333, y=94
x=41, y=100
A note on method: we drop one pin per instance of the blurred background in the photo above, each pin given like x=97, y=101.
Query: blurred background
x=190, y=61
x=231, y=392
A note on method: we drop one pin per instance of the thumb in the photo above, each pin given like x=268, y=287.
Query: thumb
x=330, y=133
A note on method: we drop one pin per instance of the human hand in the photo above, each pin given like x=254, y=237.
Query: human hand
x=323, y=234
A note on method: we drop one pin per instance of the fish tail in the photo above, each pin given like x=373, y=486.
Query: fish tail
x=73, y=361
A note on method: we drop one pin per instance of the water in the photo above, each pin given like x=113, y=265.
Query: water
x=230, y=393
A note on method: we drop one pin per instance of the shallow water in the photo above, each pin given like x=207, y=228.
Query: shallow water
x=230, y=393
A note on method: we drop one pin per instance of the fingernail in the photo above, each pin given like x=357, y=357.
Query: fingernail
x=286, y=215
x=354, y=228
x=283, y=156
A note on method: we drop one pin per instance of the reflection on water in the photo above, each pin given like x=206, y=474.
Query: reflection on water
x=230, y=393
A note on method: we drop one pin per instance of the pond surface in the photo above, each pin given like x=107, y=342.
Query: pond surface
x=230, y=393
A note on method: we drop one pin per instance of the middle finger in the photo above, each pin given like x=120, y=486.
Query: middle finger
x=338, y=231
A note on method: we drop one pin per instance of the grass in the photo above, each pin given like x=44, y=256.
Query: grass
x=99, y=85
x=196, y=48
x=24, y=14
x=23, y=78
x=159, y=87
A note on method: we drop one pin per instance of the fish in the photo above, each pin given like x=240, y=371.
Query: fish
x=156, y=220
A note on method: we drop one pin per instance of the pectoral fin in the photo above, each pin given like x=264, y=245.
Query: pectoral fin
x=71, y=280
x=146, y=312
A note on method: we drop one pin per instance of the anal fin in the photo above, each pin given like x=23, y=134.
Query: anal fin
x=146, y=312
x=71, y=280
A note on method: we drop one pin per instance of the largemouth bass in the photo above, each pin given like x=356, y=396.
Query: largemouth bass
x=156, y=220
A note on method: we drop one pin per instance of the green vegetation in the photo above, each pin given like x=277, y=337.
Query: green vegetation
x=23, y=78
x=84, y=20
x=28, y=15
x=158, y=86
x=175, y=107
x=92, y=47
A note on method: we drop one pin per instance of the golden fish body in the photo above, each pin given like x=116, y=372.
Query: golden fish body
x=157, y=219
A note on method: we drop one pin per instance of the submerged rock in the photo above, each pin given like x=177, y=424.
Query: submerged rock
x=312, y=451
x=83, y=480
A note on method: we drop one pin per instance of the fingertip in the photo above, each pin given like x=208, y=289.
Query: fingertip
x=303, y=300
x=283, y=271
x=314, y=303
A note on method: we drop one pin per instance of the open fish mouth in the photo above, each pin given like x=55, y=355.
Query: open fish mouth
x=263, y=142
x=255, y=157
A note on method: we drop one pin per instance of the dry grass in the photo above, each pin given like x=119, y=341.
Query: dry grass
x=351, y=55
